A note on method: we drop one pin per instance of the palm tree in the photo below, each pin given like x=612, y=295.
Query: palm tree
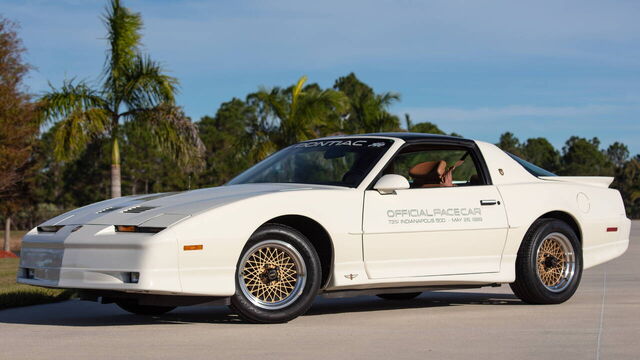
x=298, y=113
x=368, y=110
x=374, y=115
x=133, y=88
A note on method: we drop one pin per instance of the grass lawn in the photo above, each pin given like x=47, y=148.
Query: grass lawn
x=14, y=295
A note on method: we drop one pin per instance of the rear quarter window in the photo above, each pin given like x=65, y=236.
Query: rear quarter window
x=533, y=169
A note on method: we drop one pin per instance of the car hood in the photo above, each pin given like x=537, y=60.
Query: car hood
x=164, y=209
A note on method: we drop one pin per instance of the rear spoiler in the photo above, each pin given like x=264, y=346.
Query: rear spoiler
x=600, y=181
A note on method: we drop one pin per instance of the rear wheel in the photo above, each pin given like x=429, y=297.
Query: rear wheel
x=399, y=296
x=133, y=307
x=277, y=276
x=549, y=263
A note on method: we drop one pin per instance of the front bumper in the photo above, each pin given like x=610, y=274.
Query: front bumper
x=96, y=257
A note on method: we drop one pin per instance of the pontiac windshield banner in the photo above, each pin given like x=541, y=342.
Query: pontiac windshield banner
x=376, y=143
x=426, y=216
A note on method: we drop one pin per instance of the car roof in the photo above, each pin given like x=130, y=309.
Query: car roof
x=412, y=137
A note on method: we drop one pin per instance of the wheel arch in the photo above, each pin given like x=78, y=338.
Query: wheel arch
x=317, y=235
x=566, y=218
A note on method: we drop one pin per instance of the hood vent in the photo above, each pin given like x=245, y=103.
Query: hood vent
x=157, y=196
x=138, y=209
x=109, y=209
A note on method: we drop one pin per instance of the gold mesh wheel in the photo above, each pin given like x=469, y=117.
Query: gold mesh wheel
x=555, y=262
x=272, y=274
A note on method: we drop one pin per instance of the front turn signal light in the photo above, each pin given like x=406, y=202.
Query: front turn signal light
x=49, y=228
x=138, y=229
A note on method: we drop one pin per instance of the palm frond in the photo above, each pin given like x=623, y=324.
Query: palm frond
x=172, y=132
x=299, y=112
x=317, y=109
x=145, y=85
x=387, y=99
x=123, y=34
x=77, y=130
x=69, y=99
x=271, y=106
x=295, y=94
x=259, y=145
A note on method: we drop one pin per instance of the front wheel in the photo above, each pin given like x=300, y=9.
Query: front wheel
x=277, y=277
x=549, y=263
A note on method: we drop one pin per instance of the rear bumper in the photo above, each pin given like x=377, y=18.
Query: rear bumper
x=607, y=245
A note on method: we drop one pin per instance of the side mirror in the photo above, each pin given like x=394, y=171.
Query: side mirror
x=389, y=183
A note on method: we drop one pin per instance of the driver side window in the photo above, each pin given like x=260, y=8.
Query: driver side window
x=428, y=167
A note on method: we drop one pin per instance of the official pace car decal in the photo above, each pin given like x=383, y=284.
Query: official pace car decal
x=428, y=216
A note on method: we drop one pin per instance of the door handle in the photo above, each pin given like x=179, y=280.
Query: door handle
x=489, y=202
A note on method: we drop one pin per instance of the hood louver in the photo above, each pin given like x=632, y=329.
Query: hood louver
x=157, y=196
x=109, y=209
x=138, y=209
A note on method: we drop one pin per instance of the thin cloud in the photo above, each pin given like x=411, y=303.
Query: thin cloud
x=466, y=58
x=513, y=111
x=609, y=122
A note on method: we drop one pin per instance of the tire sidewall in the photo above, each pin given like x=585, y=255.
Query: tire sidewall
x=254, y=313
x=537, y=286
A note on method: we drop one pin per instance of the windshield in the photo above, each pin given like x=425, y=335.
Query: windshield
x=531, y=168
x=341, y=162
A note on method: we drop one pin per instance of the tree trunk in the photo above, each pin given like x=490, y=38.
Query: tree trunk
x=115, y=181
x=115, y=170
x=7, y=234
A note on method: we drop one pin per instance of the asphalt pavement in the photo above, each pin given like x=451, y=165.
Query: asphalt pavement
x=601, y=321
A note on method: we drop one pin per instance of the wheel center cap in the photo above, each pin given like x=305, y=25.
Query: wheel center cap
x=550, y=262
x=270, y=275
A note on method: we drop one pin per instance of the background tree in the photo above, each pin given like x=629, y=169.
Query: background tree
x=540, y=152
x=297, y=113
x=133, y=89
x=226, y=141
x=18, y=125
x=583, y=157
x=368, y=110
x=422, y=127
x=618, y=154
x=510, y=143
x=425, y=127
x=628, y=182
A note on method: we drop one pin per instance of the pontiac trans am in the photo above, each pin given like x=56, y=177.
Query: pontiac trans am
x=388, y=214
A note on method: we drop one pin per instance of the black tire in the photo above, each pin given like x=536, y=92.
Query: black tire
x=530, y=286
x=254, y=307
x=133, y=307
x=399, y=296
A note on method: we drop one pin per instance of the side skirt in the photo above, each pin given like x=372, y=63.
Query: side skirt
x=360, y=292
x=108, y=297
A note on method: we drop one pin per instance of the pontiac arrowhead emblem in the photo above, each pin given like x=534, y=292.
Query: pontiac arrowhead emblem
x=351, y=276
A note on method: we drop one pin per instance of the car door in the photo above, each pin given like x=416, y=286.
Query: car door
x=434, y=229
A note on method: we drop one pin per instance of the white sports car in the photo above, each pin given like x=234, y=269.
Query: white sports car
x=390, y=214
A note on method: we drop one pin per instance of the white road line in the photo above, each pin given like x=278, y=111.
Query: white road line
x=604, y=293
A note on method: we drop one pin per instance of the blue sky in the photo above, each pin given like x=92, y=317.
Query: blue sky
x=479, y=68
